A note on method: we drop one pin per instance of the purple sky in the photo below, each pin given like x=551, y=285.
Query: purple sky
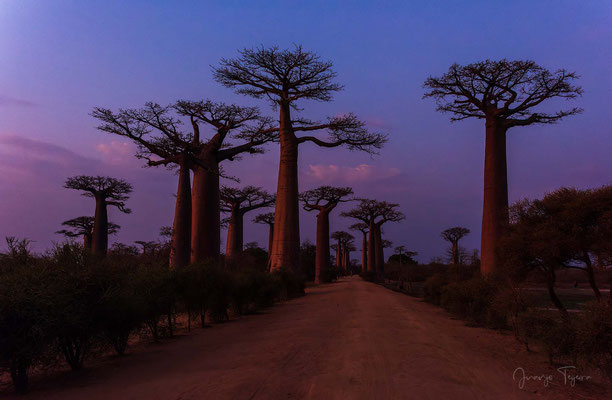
x=59, y=59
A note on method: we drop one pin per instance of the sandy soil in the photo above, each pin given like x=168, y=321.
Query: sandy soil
x=347, y=340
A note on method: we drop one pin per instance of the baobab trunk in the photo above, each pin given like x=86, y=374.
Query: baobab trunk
x=99, y=244
x=205, y=217
x=286, y=243
x=371, y=247
x=235, y=234
x=380, y=255
x=455, y=253
x=180, y=244
x=495, y=199
x=364, y=252
x=339, y=255
x=87, y=241
x=270, y=238
x=322, y=252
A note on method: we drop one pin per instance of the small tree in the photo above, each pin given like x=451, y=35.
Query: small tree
x=503, y=93
x=323, y=199
x=343, y=239
x=147, y=246
x=284, y=77
x=453, y=235
x=107, y=192
x=83, y=226
x=238, y=202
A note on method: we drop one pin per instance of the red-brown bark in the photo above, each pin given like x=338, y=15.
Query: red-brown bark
x=235, y=234
x=99, y=244
x=286, y=245
x=364, y=252
x=322, y=252
x=371, y=265
x=87, y=241
x=180, y=248
x=495, y=200
x=380, y=255
x=206, y=215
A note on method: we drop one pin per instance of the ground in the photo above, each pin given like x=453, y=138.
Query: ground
x=347, y=340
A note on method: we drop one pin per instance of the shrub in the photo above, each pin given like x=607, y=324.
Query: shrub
x=157, y=285
x=594, y=334
x=432, y=290
x=330, y=274
x=556, y=335
x=469, y=300
x=291, y=284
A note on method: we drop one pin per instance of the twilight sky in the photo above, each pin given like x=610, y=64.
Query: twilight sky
x=61, y=58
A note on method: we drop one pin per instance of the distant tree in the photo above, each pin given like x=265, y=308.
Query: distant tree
x=83, y=226
x=453, y=235
x=343, y=239
x=403, y=256
x=238, y=202
x=107, y=192
x=363, y=228
x=123, y=250
x=268, y=219
x=375, y=214
x=147, y=247
x=503, y=93
x=284, y=77
x=323, y=199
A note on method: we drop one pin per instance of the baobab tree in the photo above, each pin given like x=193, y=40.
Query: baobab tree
x=323, y=199
x=158, y=132
x=503, y=93
x=268, y=219
x=147, y=246
x=346, y=254
x=375, y=213
x=284, y=77
x=106, y=191
x=342, y=239
x=83, y=226
x=363, y=228
x=453, y=235
x=238, y=202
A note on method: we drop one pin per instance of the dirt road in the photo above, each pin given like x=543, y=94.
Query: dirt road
x=347, y=340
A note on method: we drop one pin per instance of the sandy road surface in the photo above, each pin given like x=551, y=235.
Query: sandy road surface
x=347, y=340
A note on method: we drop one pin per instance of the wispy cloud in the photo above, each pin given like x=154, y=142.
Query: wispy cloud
x=332, y=173
x=6, y=101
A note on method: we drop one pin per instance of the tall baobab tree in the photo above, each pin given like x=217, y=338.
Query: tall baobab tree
x=107, y=192
x=323, y=199
x=268, y=219
x=375, y=213
x=346, y=254
x=363, y=228
x=453, y=235
x=342, y=239
x=284, y=77
x=238, y=202
x=503, y=93
x=162, y=140
x=83, y=226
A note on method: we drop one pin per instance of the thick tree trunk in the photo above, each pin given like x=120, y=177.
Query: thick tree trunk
x=380, y=255
x=235, y=234
x=286, y=244
x=371, y=266
x=364, y=252
x=495, y=199
x=205, y=217
x=338, y=255
x=180, y=244
x=455, y=253
x=87, y=241
x=322, y=255
x=99, y=244
x=347, y=260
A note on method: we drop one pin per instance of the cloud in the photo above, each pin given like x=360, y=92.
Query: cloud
x=117, y=153
x=360, y=173
x=6, y=101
